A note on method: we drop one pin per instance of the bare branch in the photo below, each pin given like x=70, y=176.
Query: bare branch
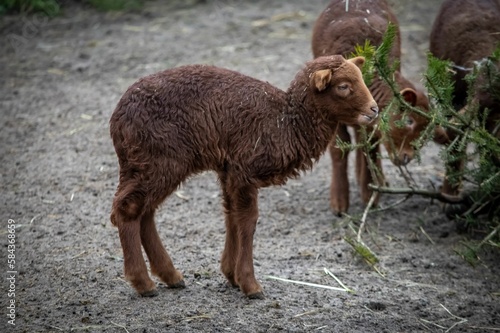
x=446, y=198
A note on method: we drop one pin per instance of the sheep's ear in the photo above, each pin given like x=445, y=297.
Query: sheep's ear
x=321, y=79
x=409, y=95
x=358, y=61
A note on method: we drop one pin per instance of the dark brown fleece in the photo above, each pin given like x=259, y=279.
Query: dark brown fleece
x=466, y=32
x=182, y=121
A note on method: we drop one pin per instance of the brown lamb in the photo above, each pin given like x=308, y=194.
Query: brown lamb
x=182, y=121
x=337, y=31
x=466, y=33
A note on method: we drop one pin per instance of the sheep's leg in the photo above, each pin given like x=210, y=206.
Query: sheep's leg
x=240, y=203
x=126, y=216
x=452, y=181
x=230, y=252
x=452, y=188
x=456, y=166
x=339, y=188
x=160, y=262
x=245, y=213
x=364, y=174
x=135, y=268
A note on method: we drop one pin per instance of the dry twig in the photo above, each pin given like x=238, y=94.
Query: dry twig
x=365, y=214
x=411, y=191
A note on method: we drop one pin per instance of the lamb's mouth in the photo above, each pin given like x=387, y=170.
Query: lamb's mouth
x=370, y=118
x=365, y=119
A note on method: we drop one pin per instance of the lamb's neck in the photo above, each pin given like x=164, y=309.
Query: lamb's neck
x=308, y=129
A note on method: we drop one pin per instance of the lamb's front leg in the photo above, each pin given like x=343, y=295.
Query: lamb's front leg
x=231, y=246
x=364, y=173
x=245, y=215
x=339, y=188
x=240, y=202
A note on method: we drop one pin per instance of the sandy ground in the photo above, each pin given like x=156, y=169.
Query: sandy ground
x=60, y=81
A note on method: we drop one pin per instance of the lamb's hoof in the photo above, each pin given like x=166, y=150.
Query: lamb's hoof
x=257, y=295
x=338, y=208
x=339, y=212
x=232, y=283
x=149, y=293
x=455, y=210
x=180, y=284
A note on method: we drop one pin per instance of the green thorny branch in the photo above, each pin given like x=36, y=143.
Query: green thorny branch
x=467, y=126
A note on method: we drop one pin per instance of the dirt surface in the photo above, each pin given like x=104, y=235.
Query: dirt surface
x=60, y=81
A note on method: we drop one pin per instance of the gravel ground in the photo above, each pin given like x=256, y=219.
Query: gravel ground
x=60, y=81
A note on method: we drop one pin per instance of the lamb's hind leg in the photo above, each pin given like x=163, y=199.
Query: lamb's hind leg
x=126, y=213
x=160, y=262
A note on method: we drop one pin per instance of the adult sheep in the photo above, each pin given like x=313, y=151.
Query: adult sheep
x=466, y=32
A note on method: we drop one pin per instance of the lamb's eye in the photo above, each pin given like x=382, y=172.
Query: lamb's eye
x=409, y=121
x=343, y=87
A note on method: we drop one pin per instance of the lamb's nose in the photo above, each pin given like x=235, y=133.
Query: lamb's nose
x=375, y=110
x=406, y=159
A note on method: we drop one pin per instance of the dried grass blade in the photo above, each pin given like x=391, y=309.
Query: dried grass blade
x=304, y=283
x=327, y=271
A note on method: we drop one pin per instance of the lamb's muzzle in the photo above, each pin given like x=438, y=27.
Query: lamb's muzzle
x=374, y=109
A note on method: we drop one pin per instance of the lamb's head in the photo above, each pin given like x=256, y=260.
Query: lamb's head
x=340, y=92
x=406, y=126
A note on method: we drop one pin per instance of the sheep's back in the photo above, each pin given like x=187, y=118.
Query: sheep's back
x=465, y=31
x=203, y=113
x=338, y=31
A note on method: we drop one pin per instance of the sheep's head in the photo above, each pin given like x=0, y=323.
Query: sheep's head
x=339, y=89
x=406, y=126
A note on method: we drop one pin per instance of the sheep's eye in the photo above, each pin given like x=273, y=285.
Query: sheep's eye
x=409, y=121
x=343, y=87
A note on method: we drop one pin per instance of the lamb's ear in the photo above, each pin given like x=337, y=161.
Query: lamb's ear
x=358, y=61
x=321, y=79
x=409, y=95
